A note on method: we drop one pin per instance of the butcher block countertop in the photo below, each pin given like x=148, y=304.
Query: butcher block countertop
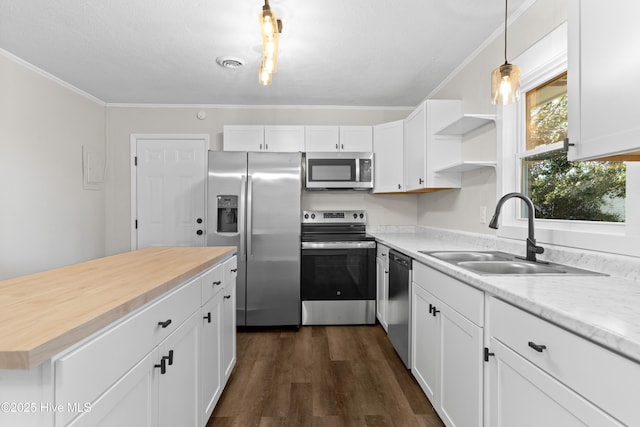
x=42, y=314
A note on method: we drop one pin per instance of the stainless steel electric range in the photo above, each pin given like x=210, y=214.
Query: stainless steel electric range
x=338, y=271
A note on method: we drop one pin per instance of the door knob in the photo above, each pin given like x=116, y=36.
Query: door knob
x=199, y=232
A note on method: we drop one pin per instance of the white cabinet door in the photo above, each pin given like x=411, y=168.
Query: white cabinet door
x=603, y=73
x=523, y=395
x=322, y=138
x=426, y=152
x=228, y=343
x=228, y=322
x=460, y=402
x=425, y=344
x=131, y=401
x=243, y=138
x=210, y=338
x=382, y=285
x=415, y=149
x=284, y=138
x=388, y=148
x=356, y=138
x=178, y=388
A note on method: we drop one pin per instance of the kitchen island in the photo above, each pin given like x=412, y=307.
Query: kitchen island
x=76, y=334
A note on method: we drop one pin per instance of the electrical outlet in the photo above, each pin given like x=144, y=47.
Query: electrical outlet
x=483, y=214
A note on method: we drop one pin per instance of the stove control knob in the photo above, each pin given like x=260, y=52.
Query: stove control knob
x=313, y=216
x=306, y=216
x=355, y=215
x=361, y=215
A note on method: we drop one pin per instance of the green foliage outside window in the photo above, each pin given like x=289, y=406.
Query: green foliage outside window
x=560, y=189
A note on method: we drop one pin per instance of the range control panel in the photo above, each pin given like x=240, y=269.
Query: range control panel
x=334, y=217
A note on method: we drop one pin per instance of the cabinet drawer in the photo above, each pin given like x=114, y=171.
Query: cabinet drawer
x=85, y=372
x=609, y=380
x=211, y=282
x=463, y=298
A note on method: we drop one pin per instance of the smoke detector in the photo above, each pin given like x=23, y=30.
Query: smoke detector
x=229, y=62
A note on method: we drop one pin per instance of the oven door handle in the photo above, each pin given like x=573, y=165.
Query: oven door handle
x=339, y=245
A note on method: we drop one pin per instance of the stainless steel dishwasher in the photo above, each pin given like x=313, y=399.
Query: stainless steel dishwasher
x=399, y=308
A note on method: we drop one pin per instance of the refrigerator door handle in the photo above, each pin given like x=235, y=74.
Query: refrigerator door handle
x=241, y=215
x=249, y=230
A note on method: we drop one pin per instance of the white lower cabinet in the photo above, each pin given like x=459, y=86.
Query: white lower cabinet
x=447, y=343
x=382, y=284
x=210, y=365
x=228, y=334
x=178, y=386
x=540, y=374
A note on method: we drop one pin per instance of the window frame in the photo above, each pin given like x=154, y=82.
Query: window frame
x=540, y=63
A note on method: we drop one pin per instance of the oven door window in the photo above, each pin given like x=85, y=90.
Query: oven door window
x=338, y=274
x=324, y=170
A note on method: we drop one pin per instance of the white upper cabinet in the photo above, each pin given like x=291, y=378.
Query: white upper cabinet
x=264, y=138
x=426, y=151
x=322, y=138
x=603, y=69
x=284, y=138
x=339, y=138
x=388, y=148
x=356, y=138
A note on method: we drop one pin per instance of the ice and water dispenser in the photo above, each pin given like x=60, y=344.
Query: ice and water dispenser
x=227, y=214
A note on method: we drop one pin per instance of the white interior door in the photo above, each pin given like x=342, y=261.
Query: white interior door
x=170, y=177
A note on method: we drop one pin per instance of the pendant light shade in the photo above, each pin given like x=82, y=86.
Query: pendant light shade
x=505, y=84
x=505, y=80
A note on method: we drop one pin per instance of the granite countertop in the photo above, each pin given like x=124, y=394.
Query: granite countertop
x=603, y=309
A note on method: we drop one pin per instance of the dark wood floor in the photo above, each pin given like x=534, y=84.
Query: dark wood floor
x=321, y=376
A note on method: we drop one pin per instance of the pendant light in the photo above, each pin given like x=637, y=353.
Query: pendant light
x=505, y=80
x=270, y=28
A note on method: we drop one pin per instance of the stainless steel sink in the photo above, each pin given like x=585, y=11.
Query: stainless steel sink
x=454, y=256
x=510, y=267
x=502, y=263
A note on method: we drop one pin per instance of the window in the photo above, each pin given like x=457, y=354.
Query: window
x=560, y=189
x=532, y=161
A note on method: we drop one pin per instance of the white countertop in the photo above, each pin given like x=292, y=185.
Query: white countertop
x=604, y=309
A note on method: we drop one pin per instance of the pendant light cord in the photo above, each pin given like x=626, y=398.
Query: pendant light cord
x=506, y=6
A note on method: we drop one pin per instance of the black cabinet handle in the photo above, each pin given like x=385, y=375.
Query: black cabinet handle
x=431, y=307
x=234, y=270
x=168, y=358
x=217, y=283
x=208, y=317
x=199, y=232
x=162, y=366
x=199, y=220
x=164, y=324
x=487, y=354
x=537, y=347
x=435, y=311
x=227, y=296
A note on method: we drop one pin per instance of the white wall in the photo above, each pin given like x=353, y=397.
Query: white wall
x=122, y=121
x=47, y=219
x=459, y=209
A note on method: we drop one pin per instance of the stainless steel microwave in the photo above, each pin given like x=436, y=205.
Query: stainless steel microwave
x=339, y=170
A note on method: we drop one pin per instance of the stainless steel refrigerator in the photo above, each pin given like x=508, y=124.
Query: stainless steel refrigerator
x=254, y=204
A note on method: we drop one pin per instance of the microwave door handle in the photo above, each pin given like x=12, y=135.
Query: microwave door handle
x=241, y=216
x=249, y=215
x=357, y=177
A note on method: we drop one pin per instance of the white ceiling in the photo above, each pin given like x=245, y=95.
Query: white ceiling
x=332, y=52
